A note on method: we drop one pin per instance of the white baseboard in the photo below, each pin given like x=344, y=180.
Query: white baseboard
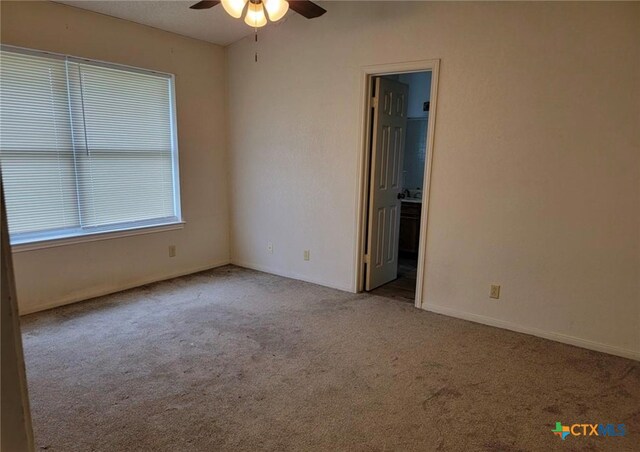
x=558, y=337
x=265, y=269
x=107, y=291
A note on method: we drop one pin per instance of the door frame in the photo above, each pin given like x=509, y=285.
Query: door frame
x=364, y=168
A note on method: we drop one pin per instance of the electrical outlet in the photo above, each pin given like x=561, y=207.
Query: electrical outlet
x=172, y=251
x=307, y=255
x=495, y=291
x=270, y=247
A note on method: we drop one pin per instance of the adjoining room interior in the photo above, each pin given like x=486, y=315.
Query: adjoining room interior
x=410, y=169
x=196, y=207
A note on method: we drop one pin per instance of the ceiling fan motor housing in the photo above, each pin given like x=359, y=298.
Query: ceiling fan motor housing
x=305, y=8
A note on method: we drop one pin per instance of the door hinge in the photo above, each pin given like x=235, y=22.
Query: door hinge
x=365, y=259
x=374, y=102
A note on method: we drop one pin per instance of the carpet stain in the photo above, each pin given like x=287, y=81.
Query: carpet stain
x=553, y=409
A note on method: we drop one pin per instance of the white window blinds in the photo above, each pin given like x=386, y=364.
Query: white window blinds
x=85, y=147
x=36, y=145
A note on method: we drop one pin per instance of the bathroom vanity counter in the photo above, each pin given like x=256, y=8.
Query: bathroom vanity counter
x=410, y=214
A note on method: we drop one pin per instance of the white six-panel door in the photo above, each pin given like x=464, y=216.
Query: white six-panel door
x=389, y=131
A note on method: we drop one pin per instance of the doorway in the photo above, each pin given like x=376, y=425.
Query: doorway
x=398, y=120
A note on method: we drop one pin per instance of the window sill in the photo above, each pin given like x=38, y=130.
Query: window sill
x=95, y=236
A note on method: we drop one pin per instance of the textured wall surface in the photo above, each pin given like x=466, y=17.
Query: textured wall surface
x=59, y=275
x=536, y=164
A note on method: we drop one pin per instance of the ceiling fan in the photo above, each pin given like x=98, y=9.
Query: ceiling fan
x=255, y=9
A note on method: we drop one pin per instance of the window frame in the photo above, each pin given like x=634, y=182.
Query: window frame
x=60, y=237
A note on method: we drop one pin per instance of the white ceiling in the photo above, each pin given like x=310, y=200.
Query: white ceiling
x=212, y=25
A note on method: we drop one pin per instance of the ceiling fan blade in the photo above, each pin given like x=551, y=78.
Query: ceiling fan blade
x=306, y=8
x=205, y=4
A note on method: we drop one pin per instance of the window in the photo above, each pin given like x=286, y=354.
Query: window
x=85, y=147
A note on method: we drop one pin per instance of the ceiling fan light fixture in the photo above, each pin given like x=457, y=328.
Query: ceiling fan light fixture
x=276, y=9
x=234, y=7
x=255, y=15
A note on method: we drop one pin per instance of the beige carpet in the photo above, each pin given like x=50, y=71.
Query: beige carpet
x=234, y=359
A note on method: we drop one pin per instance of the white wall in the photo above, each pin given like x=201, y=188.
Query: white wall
x=536, y=166
x=419, y=92
x=416, y=141
x=415, y=154
x=55, y=276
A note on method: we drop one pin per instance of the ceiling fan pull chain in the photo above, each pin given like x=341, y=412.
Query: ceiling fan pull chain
x=256, y=41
